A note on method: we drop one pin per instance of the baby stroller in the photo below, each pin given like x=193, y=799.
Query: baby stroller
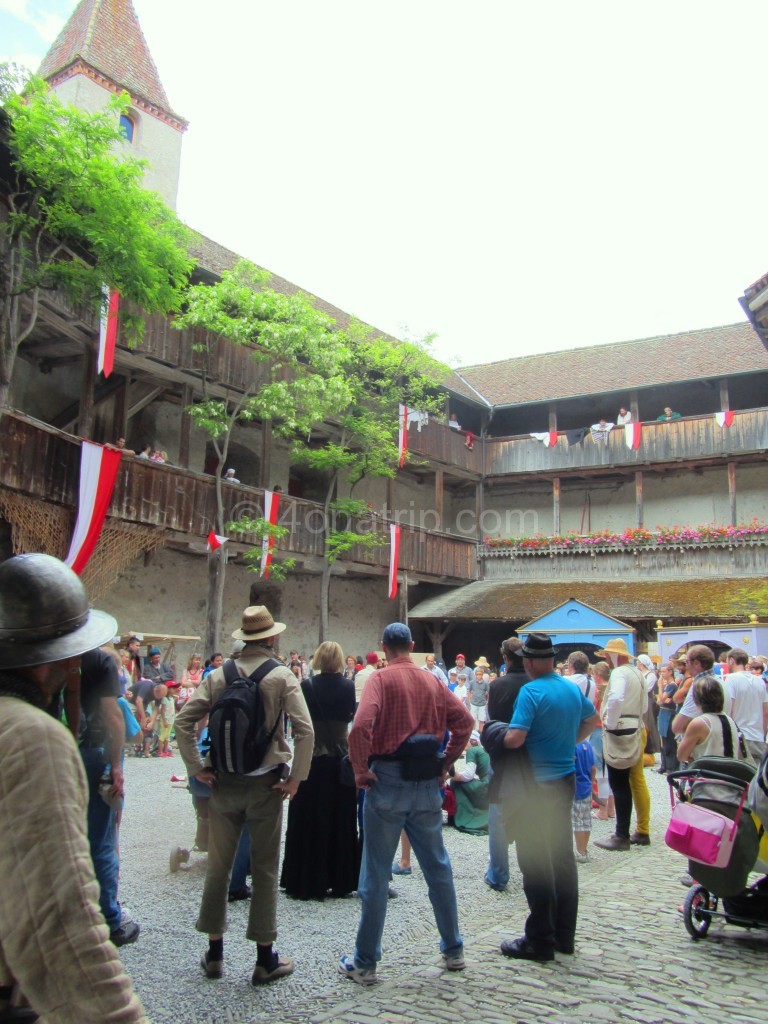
x=712, y=825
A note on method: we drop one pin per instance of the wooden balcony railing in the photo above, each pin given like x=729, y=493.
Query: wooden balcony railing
x=41, y=462
x=442, y=444
x=693, y=437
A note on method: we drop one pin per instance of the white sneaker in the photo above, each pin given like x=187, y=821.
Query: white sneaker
x=360, y=975
x=581, y=858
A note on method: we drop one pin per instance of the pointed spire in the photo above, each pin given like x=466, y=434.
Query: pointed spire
x=104, y=36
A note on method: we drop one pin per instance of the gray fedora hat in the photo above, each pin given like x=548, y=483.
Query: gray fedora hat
x=44, y=613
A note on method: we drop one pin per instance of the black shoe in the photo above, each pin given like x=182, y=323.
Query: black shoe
x=521, y=949
x=640, y=839
x=127, y=933
x=244, y=893
x=565, y=947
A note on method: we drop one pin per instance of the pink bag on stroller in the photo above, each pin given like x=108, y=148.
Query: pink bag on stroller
x=702, y=835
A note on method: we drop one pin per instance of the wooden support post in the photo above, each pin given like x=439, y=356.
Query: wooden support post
x=634, y=407
x=120, y=414
x=639, y=499
x=85, y=413
x=439, y=486
x=725, y=400
x=556, y=505
x=552, y=416
x=402, y=593
x=265, y=471
x=390, y=499
x=479, y=508
x=732, y=490
x=185, y=427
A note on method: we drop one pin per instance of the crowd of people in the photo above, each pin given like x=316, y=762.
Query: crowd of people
x=528, y=755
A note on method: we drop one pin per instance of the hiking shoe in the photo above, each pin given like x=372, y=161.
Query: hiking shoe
x=243, y=893
x=284, y=966
x=211, y=968
x=127, y=933
x=640, y=839
x=613, y=842
x=360, y=975
x=454, y=961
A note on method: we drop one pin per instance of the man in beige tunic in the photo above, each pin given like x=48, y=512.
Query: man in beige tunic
x=55, y=952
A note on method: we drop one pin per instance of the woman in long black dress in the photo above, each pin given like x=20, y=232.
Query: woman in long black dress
x=321, y=845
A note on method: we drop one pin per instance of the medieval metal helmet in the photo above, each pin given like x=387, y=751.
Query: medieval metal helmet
x=44, y=613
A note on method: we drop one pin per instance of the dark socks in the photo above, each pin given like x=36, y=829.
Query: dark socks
x=215, y=950
x=266, y=957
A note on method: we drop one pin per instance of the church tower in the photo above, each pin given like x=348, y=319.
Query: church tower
x=102, y=50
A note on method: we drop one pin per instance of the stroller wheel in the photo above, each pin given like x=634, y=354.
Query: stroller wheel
x=178, y=857
x=697, y=912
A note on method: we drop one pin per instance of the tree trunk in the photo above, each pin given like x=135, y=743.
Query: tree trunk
x=217, y=564
x=325, y=601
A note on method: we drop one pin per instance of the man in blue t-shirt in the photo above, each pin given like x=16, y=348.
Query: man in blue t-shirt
x=551, y=716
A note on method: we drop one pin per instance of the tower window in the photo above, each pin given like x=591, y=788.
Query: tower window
x=127, y=127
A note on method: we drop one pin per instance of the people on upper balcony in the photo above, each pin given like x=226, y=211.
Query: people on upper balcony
x=453, y=422
x=146, y=451
x=667, y=415
x=601, y=430
x=230, y=477
x=624, y=417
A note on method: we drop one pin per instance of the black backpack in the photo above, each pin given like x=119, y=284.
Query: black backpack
x=237, y=727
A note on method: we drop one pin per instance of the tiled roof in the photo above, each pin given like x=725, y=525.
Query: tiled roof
x=106, y=34
x=692, y=355
x=501, y=600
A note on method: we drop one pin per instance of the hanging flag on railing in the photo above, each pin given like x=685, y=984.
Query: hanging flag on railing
x=394, y=557
x=549, y=437
x=724, y=419
x=271, y=506
x=108, y=334
x=402, y=433
x=215, y=541
x=98, y=472
x=632, y=434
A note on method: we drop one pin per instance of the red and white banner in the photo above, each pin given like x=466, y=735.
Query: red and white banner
x=394, y=557
x=108, y=334
x=632, y=434
x=402, y=433
x=98, y=471
x=271, y=506
x=549, y=437
x=724, y=419
x=215, y=540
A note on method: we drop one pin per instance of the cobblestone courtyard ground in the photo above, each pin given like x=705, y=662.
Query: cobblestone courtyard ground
x=634, y=961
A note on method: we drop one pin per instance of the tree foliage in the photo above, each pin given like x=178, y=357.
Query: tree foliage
x=77, y=218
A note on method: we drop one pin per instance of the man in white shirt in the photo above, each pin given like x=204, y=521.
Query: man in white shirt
x=624, y=417
x=746, y=701
x=435, y=669
x=578, y=663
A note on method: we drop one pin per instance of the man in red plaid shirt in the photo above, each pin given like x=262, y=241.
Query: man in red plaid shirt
x=394, y=747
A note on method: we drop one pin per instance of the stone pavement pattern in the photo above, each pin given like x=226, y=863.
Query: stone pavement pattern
x=634, y=961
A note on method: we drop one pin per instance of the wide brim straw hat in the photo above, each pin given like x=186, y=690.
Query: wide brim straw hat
x=44, y=613
x=482, y=662
x=617, y=646
x=258, y=624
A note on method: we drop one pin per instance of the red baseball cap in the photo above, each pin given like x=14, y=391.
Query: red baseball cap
x=461, y=656
x=372, y=658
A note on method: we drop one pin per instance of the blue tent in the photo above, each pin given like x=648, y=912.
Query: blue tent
x=577, y=625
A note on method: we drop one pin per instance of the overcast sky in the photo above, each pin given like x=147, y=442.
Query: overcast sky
x=515, y=176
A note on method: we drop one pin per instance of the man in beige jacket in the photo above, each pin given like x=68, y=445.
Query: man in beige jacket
x=255, y=799
x=55, y=952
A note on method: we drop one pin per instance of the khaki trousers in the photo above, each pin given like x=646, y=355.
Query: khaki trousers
x=641, y=797
x=235, y=801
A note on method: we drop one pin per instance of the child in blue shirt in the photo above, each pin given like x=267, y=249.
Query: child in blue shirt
x=581, y=812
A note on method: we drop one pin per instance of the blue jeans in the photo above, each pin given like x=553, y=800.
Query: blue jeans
x=498, y=848
x=392, y=804
x=102, y=836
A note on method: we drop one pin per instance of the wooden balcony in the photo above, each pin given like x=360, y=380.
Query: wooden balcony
x=443, y=445
x=693, y=438
x=44, y=463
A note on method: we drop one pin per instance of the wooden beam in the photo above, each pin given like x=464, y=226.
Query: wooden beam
x=552, y=416
x=439, y=492
x=390, y=499
x=479, y=506
x=725, y=401
x=732, y=490
x=185, y=427
x=634, y=406
x=85, y=412
x=556, y=505
x=639, y=499
x=143, y=402
x=120, y=414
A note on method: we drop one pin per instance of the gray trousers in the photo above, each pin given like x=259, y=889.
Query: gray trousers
x=237, y=800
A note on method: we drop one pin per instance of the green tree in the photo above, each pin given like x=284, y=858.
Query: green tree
x=75, y=218
x=381, y=374
x=296, y=382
